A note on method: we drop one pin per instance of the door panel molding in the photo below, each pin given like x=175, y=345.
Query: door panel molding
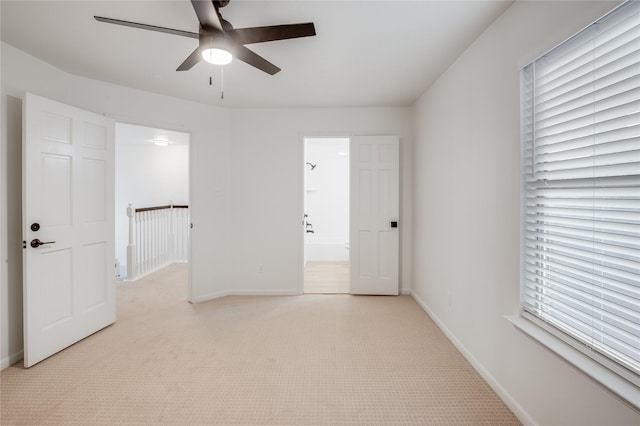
x=68, y=189
x=375, y=199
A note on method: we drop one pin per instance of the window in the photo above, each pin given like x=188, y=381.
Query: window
x=580, y=272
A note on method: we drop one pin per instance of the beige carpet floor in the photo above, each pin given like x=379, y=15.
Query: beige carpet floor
x=313, y=359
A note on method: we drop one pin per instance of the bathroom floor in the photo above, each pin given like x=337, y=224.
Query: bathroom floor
x=326, y=277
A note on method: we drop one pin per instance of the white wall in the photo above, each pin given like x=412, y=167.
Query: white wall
x=246, y=180
x=267, y=187
x=210, y=188
x=146, y=175
x=246, y=199
x=467, y=199
x=327, y=199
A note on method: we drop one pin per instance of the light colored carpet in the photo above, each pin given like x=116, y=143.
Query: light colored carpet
x=312, y=359
x=326, y=277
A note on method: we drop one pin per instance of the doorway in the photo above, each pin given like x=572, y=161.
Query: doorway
x=326, y=215
x=152, y=177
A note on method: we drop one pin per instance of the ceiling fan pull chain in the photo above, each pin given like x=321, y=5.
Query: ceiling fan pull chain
x=221, y=82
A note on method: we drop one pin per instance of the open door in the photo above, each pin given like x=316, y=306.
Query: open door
x=68, y=226
x=374, y=237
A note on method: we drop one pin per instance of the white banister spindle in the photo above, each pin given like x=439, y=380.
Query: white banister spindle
x=151, y=257
x=131, y=247
x=146, y=238
x=158, y=236
x=146, y=242
x=168, y=251
x=177, y=229
x=141, y=241
x=153, y=239
x=171, y=236
x=161, y=235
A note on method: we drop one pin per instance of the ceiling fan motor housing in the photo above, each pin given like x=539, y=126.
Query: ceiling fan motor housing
x=207, y=40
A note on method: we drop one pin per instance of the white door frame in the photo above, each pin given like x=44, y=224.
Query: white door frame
x=301, y=212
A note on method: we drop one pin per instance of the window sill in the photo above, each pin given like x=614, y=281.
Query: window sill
x=626, y=391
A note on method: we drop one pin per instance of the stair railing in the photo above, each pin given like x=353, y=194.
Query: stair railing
x=158, y=236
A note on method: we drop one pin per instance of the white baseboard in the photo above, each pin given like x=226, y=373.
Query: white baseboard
x=11, y=359
x=219, y=294
x=513, y=405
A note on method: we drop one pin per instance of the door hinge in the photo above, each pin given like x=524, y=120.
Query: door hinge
x=24, y=244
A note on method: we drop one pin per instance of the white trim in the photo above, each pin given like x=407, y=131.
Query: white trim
x=513, y=405
x=11, y=359
x=624, y=390
x=247, y=292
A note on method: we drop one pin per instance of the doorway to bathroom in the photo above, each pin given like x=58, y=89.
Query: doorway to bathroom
x=326, y=215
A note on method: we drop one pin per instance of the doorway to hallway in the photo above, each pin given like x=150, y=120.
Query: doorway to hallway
x=151, y=199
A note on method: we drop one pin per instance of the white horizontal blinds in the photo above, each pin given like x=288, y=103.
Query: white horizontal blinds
x=581, y=185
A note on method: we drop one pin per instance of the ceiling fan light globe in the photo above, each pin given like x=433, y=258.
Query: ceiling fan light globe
x=217, y=56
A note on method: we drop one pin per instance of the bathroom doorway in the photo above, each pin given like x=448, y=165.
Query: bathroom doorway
x=326, y=215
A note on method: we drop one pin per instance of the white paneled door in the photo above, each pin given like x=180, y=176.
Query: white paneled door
x=68, y=226
x=374, y=235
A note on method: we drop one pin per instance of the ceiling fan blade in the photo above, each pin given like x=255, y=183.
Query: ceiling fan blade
x=147, y=27
x=272, y=33
x=253, y=59
x=191, y=60
x=207, y=15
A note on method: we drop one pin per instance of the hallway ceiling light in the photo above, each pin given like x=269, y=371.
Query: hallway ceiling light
x=160, y=141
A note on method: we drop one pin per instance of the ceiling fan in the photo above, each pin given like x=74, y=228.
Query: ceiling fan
x=219, y=42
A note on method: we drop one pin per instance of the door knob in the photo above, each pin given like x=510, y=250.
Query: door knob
x=37, y=243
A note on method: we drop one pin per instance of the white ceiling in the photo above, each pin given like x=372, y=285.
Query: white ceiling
x=366, y=53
